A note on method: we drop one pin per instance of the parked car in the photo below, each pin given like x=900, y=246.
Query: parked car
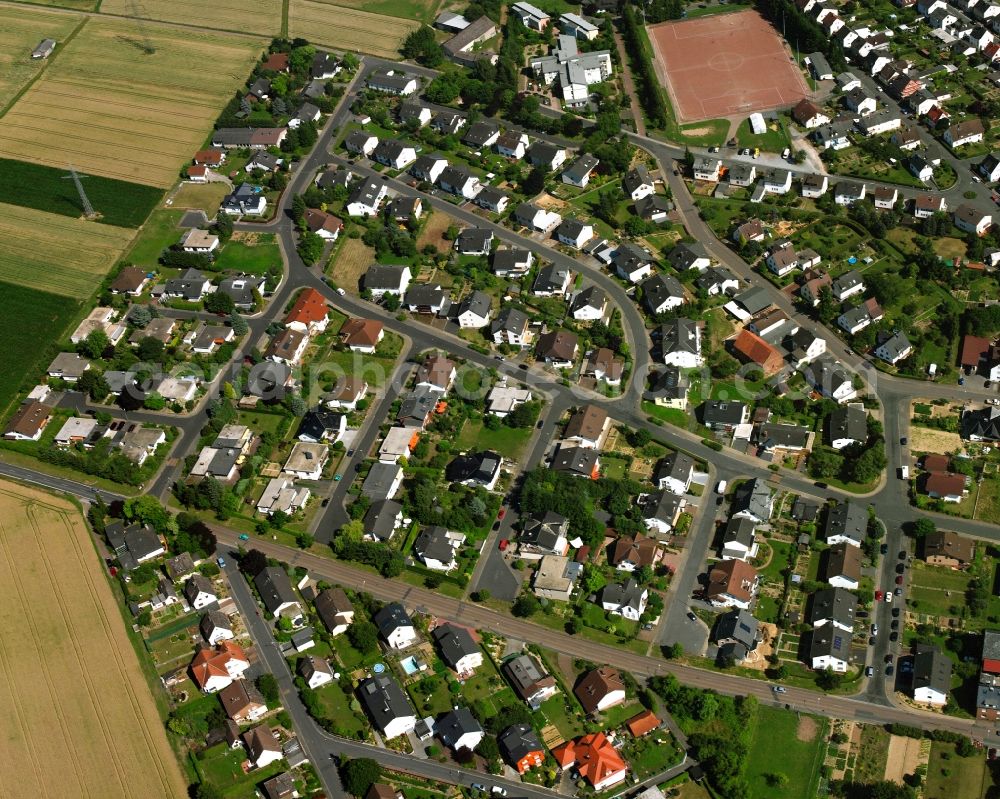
x=691, y=616
x=869, y=671
x=504, y=543
x=884, y=549
x=889, y=671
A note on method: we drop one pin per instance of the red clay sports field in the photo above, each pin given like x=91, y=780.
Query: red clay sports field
x=725, y=65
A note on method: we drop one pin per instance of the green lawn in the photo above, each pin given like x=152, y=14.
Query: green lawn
x=159, y=232
x=47, y=189
x=222, y=767
x=349, y=657
x=30, y=325
x=337, y=706
x=613, y=468
x=254, y=259
x=669, y=415
x=777, y=750
x=619, y=714
x=773, y=140
x=566, y=721
x=508, y=441
x=261, y=421
x=949, y=775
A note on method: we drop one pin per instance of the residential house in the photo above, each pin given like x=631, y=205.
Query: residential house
x=946, y=487
x=848, y=192
x=366, y=198
x=244, y=200
x=739, y=540
x=723, y=415
x=241, y=701
x=893, y=347
x=661, y=510
x=847, y=425
x=382, y=482
x=458, y=649
x=627, y=599
x=543, y=533
x=972, y=220
x=577, y=461
x=674, y=473
x=841, y=567
x=387, y=706
x=435, y=547
x=846, y=522
x=511, y=261
x=511, y=327
x=588, y=427
x=529, y=680
x=382, y=519
x=334, y=610
x=324, y=225
x=589, y=305
x=578, y=174
x=395, y=626
x=662, y=293
x=392, y=82
x=558, y=348
x=277, y=595
x=459, y=181
x=829, y=649
x=262, y=746
x=809, y=115
x=948, y=548
x=595, y=758
x=751, y=348
x=753, y=500
x=835, y=607
x=707, y=168
x=361, y=335
x=931, y=676
x=216, y=627
x=555, y=577
x=732, y=583
x=638, y=184
x=632, y=262
x=520, y=747
x=737, y=634
x=199, y=592
x=381, y=279
x=513, y=144
x=536, y=218
x=213, y=669
x=458, y=729
x=599, y=689
x=315, y=671
x=689, y=256
x=631, y=552
x=969, y=131
x=830, y=379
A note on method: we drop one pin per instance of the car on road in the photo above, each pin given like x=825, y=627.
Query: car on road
x=869, y=671
x=884, y=549
x=878, y=596
x=887, y=658
x=325, y=502
x=899, y=580
x=902, y=554
x=337, y=478
x=899, y=592
x=501, y=513
x=894, y=624
x=871, y=641
x=821, y=485
x=221, y=561
x=888, y=596
x=903, y=440
x=244, y=537
x=721, y=487
x=778, y=689
x=874, y=629
x=504, y=543
x=341, y=292
x=498, y=790
x=900, y=568
x=719, y=500
x=889, y=671
x=861, y=614
x=691, y=616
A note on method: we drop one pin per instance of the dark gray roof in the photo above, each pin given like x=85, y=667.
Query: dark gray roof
x=754, y=497
x=367, y=192
x=658, y=288
x=676, y=465
x=541, y=153
x=433, y=544
x=849, y=422
x=723, y=412
x=737, y=626
x=476, y=466
x=834, y=604
x=931, y=669
x=455, y=643
x=330, y=604
x=384, y=700
x=581, y=167
x=383, y=276
x=590, y=297
x=480, y=132
x=474, y=240
x=636, y=178
x=668, y=384
x=517, y=742
x=661, y=505
x=544, y=529
x=274, y=587
x=683, y=256
x=390, y=618
x=380, y=518
x=830, y=641
x=549, y=278
x=576, y=460
x=454, y=724
x=509, y=319
x=679, y=335
x=478, y=302
x=627, y=594
x=847, y=518
x=379, y=480
x=739, y=531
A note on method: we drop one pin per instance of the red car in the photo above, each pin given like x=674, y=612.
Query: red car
x=501, y=513
x=899, y=580
x=878, y=596
x=503, y=544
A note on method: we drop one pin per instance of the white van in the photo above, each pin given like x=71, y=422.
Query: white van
x=721, y=487
x=904, y=472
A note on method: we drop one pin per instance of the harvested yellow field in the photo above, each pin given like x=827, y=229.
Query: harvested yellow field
x=109, y=108
x=79, y=720
x=348, y=28
x=81, y=5
x=246, y=16
x=57, y=253
x=21, y=29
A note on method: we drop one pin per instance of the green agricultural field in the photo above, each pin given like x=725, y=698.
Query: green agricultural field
x=21, y=29
x=47, y=188
x=32, y=321
x=787, y=751
x=253, y=253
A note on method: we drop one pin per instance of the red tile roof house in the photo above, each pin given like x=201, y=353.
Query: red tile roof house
x=751, y=348
x=595, y=758
x=309, y=313
x=210, y=157
x=946, y=487
x=361, y=335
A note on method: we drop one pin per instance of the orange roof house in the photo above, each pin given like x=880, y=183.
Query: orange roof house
x=642, y=723
x=276, y=62
x=210, y=157
x=214, y=669
x=309, y=313
x=595, y=758
x=751, y=348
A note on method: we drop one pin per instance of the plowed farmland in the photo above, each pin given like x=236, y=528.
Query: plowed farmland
x=109, y=107
x=247, y=16
x=348, y=28
x=80, y=720
x=56, y=253
x=21, y=29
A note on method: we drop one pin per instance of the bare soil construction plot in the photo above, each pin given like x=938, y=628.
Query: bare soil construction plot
x=56, y=253
x=21, y=29
x=80, y=720
x=107, y=107
x=348, y=28
x=727, y=64
x=246, y=16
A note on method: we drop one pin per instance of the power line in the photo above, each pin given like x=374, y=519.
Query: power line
x=137, y=11
x=88, y=209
